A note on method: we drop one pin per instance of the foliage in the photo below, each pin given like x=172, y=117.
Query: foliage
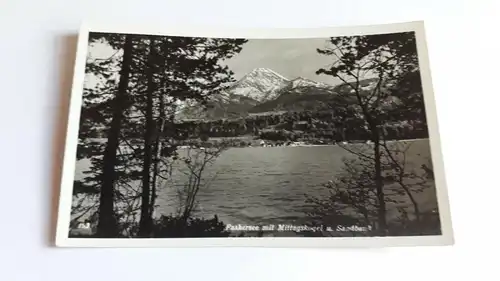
x=195, y=161
x=131, y=104
x=171, y=227
x=318, y=125
x=391, y=98
x=352, y=196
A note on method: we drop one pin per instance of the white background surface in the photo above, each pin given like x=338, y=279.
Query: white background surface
x=35, y=77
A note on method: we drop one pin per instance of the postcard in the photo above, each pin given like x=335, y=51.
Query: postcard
x=202, y=137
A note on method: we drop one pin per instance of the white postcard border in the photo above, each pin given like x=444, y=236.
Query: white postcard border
x=68, y=172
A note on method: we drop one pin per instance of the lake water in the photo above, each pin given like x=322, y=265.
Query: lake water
x=267, y=185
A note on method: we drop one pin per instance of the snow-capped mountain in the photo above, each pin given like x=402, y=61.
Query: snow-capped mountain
x=303, y=82
x=260, y=90
x=261, y=84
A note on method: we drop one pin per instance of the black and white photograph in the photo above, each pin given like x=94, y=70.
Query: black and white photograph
x=329, y=138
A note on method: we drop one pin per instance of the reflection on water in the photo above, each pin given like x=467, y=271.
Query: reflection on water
x=264, y=185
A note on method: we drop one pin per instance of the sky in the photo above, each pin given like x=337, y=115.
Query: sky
x=291, y=58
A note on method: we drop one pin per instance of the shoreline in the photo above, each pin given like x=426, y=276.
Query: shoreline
x=257, y=143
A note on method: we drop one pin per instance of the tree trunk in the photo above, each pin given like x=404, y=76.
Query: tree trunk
x=145, y=224
x=157, y=152
x=379, y=185
x=107, y=225
x=416, y=209
x=401, y=176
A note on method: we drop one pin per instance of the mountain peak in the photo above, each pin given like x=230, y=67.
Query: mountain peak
x=304, y=82
x=260, y=84
x=265, y=71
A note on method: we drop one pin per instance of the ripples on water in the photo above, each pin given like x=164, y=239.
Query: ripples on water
x=264, y=185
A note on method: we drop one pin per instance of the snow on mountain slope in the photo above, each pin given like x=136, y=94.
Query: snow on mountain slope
x=303, y=82
x=260, y=89
x=260, y=84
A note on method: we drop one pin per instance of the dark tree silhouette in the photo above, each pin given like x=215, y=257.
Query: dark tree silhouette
x=387, y=59
x=142, y=83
